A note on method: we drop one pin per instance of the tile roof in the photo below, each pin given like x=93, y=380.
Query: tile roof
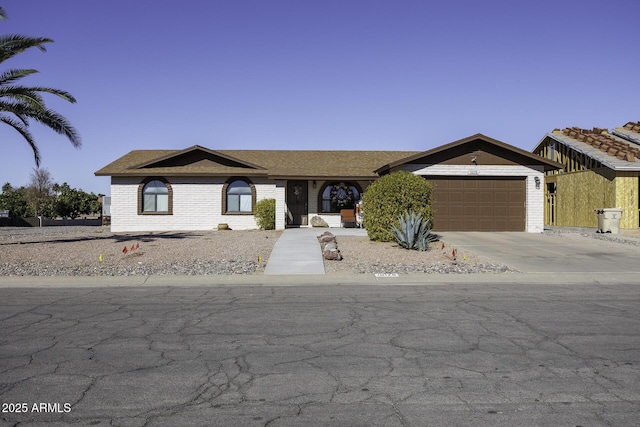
x=617, y=150
x=630, y=132
x=609, y=144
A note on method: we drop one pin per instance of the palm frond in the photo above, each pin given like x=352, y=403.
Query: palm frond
x=45, y=116
x=14, y=44
x=17, y=109
x=21, y=104
x=58, y=124
x=26, y=93
x=23, y=95
x=57, y=92
x=13, y=75
x=21, y=128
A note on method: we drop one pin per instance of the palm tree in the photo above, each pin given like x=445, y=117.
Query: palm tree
x=21, y=104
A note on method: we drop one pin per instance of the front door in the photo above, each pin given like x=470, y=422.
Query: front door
x=297, y=203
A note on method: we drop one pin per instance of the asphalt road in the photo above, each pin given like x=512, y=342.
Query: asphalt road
x=440, y=355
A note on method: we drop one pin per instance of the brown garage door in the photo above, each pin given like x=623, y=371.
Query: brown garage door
x=478, y=204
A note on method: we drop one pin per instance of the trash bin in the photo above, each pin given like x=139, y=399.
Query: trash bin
x=609, y=220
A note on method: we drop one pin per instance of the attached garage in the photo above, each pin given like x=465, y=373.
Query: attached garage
x=479, y=204
x=482, y=184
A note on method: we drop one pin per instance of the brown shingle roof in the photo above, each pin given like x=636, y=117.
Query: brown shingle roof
x=601, y=139
x=318, y=163
x=272, y=163
x=524, y=157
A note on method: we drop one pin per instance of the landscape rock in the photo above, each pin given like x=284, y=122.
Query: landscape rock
x=316, y=221
x=331, y=246
x=332, y=255
x=327, y=239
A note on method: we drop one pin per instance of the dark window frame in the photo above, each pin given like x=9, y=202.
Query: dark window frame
x=141, y=188
x=337, y=209
x=225, y=188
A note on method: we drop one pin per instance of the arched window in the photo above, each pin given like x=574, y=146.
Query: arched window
x=154, y=197
x=239, y=195
x=335, y=196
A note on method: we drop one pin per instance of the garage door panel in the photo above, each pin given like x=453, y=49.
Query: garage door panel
x=470, y=224
x=478, y=204
x=516, y=198
x=514, y=224
x=514, y=211
x=484, y=211
x=483, y=185
x=456, y=211
x=499, y=197
x=501, y=224
x=470, y=211
x=455, y=225
x=456, y=197
x=484, y=224
x=471, y=197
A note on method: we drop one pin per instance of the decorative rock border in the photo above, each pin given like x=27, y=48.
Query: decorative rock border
x=329, y=245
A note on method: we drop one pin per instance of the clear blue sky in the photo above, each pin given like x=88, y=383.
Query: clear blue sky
x=402, y=75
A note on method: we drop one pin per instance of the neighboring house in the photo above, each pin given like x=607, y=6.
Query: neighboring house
x=480, y=184
x=601, y=169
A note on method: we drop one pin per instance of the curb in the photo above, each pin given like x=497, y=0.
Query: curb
x=530, y=279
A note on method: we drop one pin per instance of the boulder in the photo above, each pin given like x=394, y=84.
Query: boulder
x=326, y=237
x=331, y=246
x=332, y=255
x=316, y=221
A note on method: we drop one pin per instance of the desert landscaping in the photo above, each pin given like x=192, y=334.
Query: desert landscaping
x=96, y=251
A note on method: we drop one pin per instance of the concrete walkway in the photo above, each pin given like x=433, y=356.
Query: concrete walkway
x=298, y=251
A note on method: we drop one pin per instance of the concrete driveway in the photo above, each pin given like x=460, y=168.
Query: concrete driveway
x=540, y=253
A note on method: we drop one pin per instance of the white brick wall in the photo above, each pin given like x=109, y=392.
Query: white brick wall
x=534, y=197
x=197, y=205
x=197, y=202
x=281, y=206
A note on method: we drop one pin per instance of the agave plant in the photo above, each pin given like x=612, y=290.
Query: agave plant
x=413, y=233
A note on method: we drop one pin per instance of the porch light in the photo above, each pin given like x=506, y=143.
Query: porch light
x=537, y=181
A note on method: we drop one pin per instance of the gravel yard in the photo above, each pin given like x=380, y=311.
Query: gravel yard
x=361, y=256
x=95, y=251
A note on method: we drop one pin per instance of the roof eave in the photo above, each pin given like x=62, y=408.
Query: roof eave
x=161, y=173
x=325, y=177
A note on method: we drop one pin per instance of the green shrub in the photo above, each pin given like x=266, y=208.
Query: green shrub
x=389, y=197
x=265, y=213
